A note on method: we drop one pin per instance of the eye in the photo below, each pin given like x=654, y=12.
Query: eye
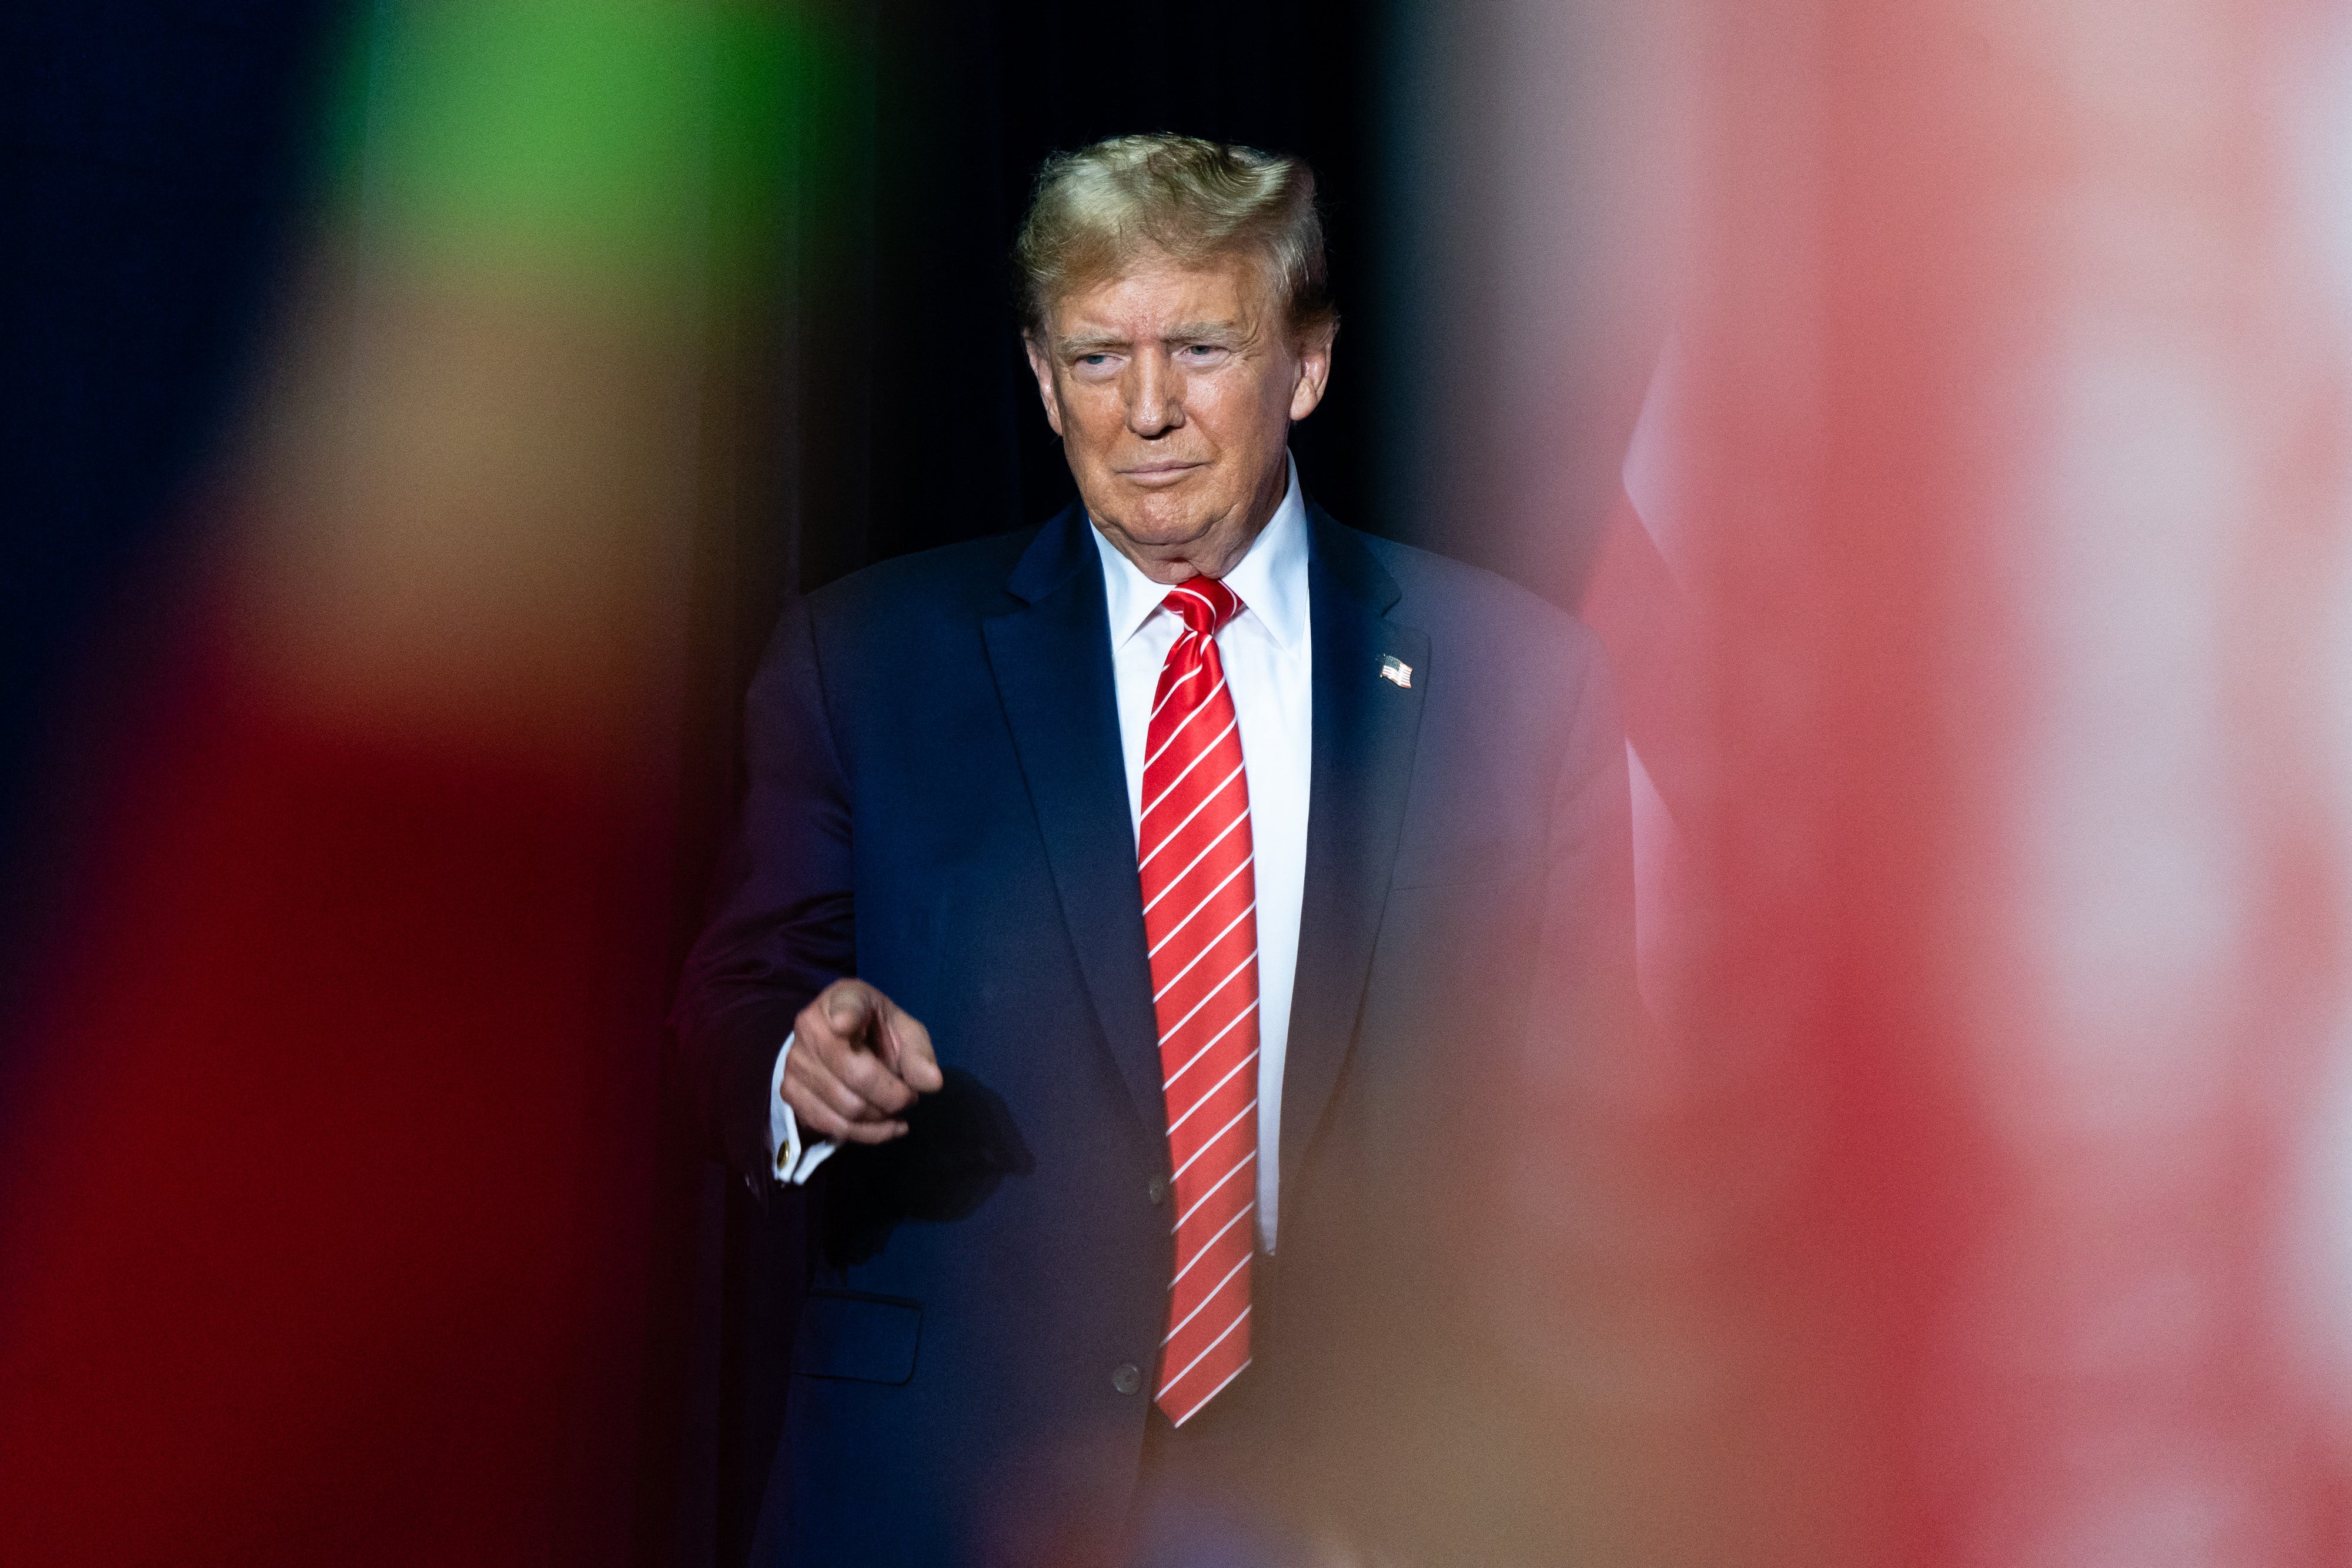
x=1091, y=359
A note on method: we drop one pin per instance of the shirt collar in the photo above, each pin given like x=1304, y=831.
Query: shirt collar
x=1270, y=578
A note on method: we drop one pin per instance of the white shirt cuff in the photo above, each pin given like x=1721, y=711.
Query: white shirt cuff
x=786, y=1155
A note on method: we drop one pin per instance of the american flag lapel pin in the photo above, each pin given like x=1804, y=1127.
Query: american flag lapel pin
x=1396, y=670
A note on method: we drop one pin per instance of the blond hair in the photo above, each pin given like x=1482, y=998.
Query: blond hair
x=1100, y=208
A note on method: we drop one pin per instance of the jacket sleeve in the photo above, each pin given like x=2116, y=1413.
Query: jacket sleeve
x=780, y=927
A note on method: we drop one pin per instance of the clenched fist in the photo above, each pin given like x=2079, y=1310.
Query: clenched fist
x=858, y=1060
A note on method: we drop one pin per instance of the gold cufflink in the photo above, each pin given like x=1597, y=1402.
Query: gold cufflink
x=1395, y=669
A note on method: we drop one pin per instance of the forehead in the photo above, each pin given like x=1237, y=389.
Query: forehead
x=1155, y=292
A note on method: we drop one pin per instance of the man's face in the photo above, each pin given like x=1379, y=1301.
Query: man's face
x=1173, y=389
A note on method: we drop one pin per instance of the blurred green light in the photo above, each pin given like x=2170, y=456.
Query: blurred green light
x=637, y=140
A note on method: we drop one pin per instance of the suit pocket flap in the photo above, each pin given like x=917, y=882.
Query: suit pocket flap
x=847, y=1334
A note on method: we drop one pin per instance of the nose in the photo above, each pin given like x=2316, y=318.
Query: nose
x=1155, y=402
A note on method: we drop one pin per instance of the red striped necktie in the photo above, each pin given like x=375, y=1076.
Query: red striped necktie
x=1200, y=922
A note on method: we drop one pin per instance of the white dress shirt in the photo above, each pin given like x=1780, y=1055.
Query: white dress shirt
x=1269, y=654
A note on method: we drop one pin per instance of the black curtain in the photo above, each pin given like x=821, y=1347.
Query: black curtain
x=904, y=416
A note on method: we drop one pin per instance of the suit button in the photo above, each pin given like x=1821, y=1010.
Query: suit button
x=1158, y=1191
x=1126, y=1379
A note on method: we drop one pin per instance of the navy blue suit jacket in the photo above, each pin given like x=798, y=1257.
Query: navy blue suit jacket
x=936, y=802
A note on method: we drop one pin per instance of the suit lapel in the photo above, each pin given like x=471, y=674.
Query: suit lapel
x=1051, y=658
x=1365, y=730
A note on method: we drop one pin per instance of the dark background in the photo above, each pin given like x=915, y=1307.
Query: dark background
x=154, y=163
x=162, y=164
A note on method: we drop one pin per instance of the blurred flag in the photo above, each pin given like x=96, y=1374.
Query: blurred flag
x=1978, y=603
x=328, y=1213
x=1636, y=603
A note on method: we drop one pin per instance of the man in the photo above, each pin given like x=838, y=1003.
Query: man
x=1134, y=926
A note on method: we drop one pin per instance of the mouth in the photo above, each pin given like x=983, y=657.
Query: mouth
x=1157, y=476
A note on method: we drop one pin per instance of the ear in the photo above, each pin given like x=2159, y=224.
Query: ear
x=1043, y=369
x=1314, y=371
